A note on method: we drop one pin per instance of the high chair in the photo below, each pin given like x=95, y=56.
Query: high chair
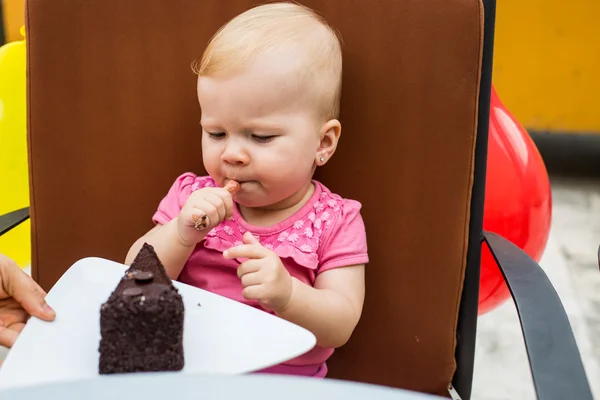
x=113, y=120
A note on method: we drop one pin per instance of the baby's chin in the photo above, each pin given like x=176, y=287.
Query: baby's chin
x=257, y=199
x=250, y=201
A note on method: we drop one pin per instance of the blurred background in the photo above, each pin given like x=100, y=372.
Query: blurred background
x=543, y=186
x=546, y=63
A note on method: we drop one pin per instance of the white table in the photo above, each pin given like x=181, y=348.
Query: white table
x=221, y=336
x=164, y=386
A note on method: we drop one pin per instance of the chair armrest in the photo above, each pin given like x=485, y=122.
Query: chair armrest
x=12, y=219
x=554, y=358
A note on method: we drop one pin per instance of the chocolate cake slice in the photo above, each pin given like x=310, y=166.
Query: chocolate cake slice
x=141, y=323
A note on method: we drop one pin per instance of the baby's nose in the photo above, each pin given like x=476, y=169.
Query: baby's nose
x=235, y=154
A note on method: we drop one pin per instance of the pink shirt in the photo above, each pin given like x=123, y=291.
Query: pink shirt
x=327, y=232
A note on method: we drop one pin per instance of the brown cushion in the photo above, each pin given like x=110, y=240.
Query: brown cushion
x=113, y=120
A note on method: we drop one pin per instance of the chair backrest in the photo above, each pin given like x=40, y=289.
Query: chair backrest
x=113, y=119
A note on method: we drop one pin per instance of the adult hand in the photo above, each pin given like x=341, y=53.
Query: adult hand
x=20, y=297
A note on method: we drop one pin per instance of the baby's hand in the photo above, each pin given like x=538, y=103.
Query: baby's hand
x=263, y=275
x=203, y=210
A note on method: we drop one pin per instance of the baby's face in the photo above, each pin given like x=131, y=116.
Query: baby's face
x=258, y=129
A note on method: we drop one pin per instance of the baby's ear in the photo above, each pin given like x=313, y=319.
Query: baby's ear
x=330, y=135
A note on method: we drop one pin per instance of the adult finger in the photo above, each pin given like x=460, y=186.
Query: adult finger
x=7, y=337
x=26, y=292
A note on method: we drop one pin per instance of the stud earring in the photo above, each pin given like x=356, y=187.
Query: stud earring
x=322, y=159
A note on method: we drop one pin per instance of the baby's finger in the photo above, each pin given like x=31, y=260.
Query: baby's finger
x=204, y=215
x=228, y=207
x=217, y=201
x=251, y=279
x=253, y=292
x=200, y=220
x=251, y=251
x=248, y=267
x=227, y=200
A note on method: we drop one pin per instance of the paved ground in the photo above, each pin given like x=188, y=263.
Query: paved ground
x=570, y=261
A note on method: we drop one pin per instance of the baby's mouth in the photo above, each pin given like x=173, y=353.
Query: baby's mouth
x=240, y=181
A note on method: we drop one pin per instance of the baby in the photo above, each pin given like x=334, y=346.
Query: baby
x=258, y=229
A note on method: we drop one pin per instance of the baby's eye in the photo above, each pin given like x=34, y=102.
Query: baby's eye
x=263, y=139
x=216, y=135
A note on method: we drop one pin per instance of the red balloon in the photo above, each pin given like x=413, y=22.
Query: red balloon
x=518, y=201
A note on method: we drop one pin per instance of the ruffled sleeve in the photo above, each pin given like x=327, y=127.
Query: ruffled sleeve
x=345, y=242
x=173, y=202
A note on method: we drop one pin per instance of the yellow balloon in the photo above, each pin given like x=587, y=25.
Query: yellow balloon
x=14, y=179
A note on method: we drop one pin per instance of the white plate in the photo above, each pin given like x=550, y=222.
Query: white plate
x=221, y=336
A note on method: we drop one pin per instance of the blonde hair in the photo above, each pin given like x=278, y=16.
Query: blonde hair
x=280, y=26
